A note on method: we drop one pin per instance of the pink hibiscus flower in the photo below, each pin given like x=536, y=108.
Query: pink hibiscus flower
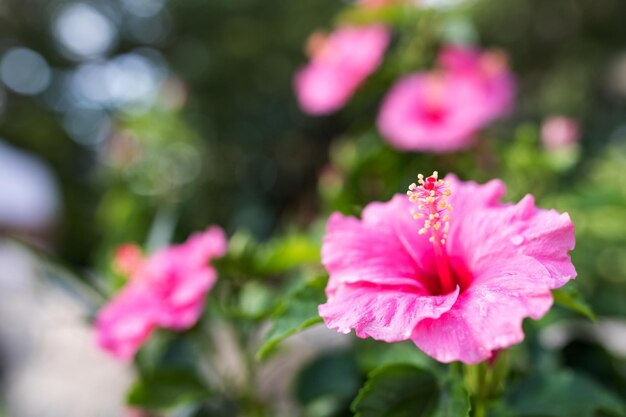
x=440, y=111
x=165, y=290
x=489, y=69
x=340, y=62
x=457, y=283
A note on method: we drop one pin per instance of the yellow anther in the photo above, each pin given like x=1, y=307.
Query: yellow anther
x=431, y=197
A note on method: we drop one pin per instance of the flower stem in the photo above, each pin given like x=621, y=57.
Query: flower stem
x=480, y=409
x=485, y=382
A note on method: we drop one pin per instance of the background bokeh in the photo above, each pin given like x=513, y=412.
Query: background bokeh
x=201, y=89
x=144, y=120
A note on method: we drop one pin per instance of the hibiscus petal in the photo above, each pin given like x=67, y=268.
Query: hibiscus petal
x=323, y=89
x=488, y=316
x=182, y=307
x=127, y=322
x=388, y=313
x=449, y=339
x=396, y=216
x=548, y=236
x=405, y=121
x=204, y=246
x=357, y=251
x=481, y=229
x=469, y=196
x=348, y=56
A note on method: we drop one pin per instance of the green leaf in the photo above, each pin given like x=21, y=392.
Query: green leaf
x=285, y=253
x=296, y=312
x=570, y=298
x=167, y=388
x=330, y=381
x=499, y=408
x=372, y=354
x=255, y=300
x=562, y=394
x=390, y=14
x=398, y=391
x=454, y=400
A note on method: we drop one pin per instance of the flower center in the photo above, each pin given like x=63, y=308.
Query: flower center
x=431, y=197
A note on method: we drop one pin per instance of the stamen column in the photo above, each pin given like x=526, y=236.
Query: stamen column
x=431, y=195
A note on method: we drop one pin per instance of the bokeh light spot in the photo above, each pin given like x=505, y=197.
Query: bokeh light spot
x=24, y=71
x=132, y=78
x=83, y=32
x=143, y=8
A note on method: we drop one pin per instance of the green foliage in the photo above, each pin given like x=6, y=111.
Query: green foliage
x=247, y=257
x=409, y=391
x=296, y=311
x=327, y=385
x=569, y=297
x=454, y=400
x=500, y=409
x=562, y=394
x=255, y=300
x=282, y=254
x=394, y=14
x=237, y=152
x=167, y=388
x=373, y=354
x=397, y=391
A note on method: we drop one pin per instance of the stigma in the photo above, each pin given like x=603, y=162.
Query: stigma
x=431, y=196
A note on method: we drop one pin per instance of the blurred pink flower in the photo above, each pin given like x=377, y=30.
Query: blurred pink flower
x=166, y=290
x=126, y=322
x=489, y=70
x=440, y=111
x=559, y=132
x=434, y=112
x=340, y=62
x=458, y=284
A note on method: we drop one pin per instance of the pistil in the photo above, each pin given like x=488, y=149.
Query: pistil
x=431, y=196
